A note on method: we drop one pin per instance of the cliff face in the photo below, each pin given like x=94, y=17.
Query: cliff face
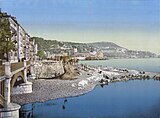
x=49, y=69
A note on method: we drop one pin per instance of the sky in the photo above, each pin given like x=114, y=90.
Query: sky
x=134, y=24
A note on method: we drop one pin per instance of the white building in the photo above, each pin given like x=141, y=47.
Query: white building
x=25, y=46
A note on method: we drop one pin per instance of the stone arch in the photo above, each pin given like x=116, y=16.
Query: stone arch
x=18, y=78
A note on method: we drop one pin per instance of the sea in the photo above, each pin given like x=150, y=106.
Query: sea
x=131, y=99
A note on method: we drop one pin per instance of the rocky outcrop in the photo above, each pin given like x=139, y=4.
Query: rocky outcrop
x=71, y=72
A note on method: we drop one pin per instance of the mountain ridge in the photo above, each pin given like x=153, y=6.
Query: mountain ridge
x=104, y=44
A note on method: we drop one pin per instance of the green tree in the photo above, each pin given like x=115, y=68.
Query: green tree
x=41, y=54
x=6, y=42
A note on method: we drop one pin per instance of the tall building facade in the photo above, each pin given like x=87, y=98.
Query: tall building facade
x=25, y=47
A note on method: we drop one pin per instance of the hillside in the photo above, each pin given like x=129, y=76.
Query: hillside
x=110, y=50
x=104, y=45
x=48, y=45
x=55, y=46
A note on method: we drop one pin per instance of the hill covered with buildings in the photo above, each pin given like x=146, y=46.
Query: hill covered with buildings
x=109, y=49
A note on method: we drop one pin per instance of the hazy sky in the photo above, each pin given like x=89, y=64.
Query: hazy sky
x=134, y=24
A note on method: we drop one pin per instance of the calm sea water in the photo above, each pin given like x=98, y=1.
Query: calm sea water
x=152, y=64
x=132, y=99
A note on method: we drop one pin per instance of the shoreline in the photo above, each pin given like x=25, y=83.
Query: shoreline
x=44, y=90
x=121, y=58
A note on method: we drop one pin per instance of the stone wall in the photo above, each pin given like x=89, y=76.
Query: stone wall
x=49, y=69
x=22, y=88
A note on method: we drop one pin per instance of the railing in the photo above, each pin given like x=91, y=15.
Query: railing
x=14, y=67
x=18, y=65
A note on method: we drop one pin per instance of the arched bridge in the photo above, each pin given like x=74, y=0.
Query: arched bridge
x=12, y=75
